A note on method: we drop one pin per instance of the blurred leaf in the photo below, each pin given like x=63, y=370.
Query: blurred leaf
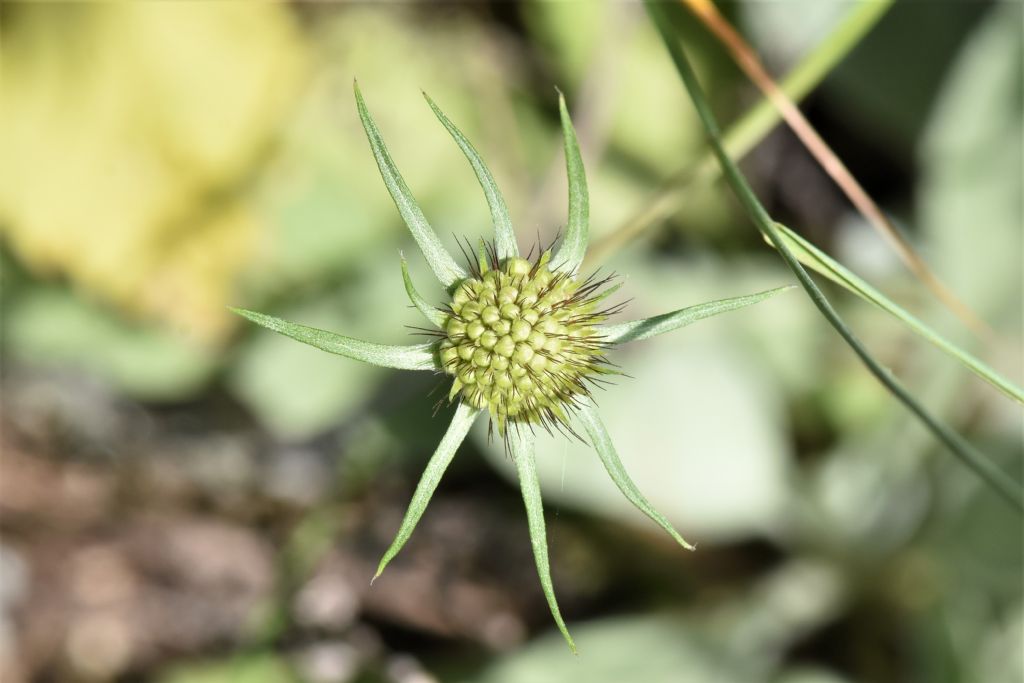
x=887, y=86
x=969, y=197
x=259, y=668
x=50, y=327
x=128, y=132
x=809, y=675
x=649, y=649
x=570, y=33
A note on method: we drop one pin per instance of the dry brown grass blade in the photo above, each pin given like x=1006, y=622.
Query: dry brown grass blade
x=750, y=63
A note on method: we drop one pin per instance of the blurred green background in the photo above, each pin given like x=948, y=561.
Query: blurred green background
x=186, y=499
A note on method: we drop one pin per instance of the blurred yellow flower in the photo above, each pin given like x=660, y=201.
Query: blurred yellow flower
x=129, y=131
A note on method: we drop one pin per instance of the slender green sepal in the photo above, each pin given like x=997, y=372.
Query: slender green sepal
x=414, y=357
x=463, y=420
x=434, y=315
x=1001, y=482
x=441, y=262
x=822, y=263
x=504, y=237
x=635, y=330
x=606, y=451
x=521, y=443
x=574, y=244
x=481, y=257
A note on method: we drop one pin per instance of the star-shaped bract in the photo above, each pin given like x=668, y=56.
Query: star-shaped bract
x=520, y=339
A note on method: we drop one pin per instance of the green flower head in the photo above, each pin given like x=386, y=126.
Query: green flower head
x=522, y=340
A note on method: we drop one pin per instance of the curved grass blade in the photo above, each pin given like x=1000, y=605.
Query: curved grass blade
x=522, y=445
x=606, y=451
x=635, y=330
x=439, y=461
x=996, y=478
x=750, y=63
x=745, y=132
x=574, y=244
x=415, y=357
x=441, y=262
x=434, y=315
x=822, y=263
x=504, y=236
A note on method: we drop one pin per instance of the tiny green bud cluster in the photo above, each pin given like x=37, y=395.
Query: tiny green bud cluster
x=520, y=341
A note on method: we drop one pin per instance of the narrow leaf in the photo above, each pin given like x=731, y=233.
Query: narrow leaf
x=439, y=461
x=574, y=245
x=522, y=444
x=415, y=357
x=636, y=330
x=504, y=237
x=432, y=314
x=606, y=451
x=822, y=263
x=441, y=262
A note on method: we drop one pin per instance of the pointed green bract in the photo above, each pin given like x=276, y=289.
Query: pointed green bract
x=457, y=430
x=521, y=443
x=504, y=237
x=606, y=451
x=820, y=262
x=415, y=357
x=574, y=244
x=434, y=315
x=636, y=330
x=441, y=262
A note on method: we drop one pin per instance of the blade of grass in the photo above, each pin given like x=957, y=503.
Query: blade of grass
x=746, y=132
x=992, y=475
x=820, y=262
x=750, y=63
